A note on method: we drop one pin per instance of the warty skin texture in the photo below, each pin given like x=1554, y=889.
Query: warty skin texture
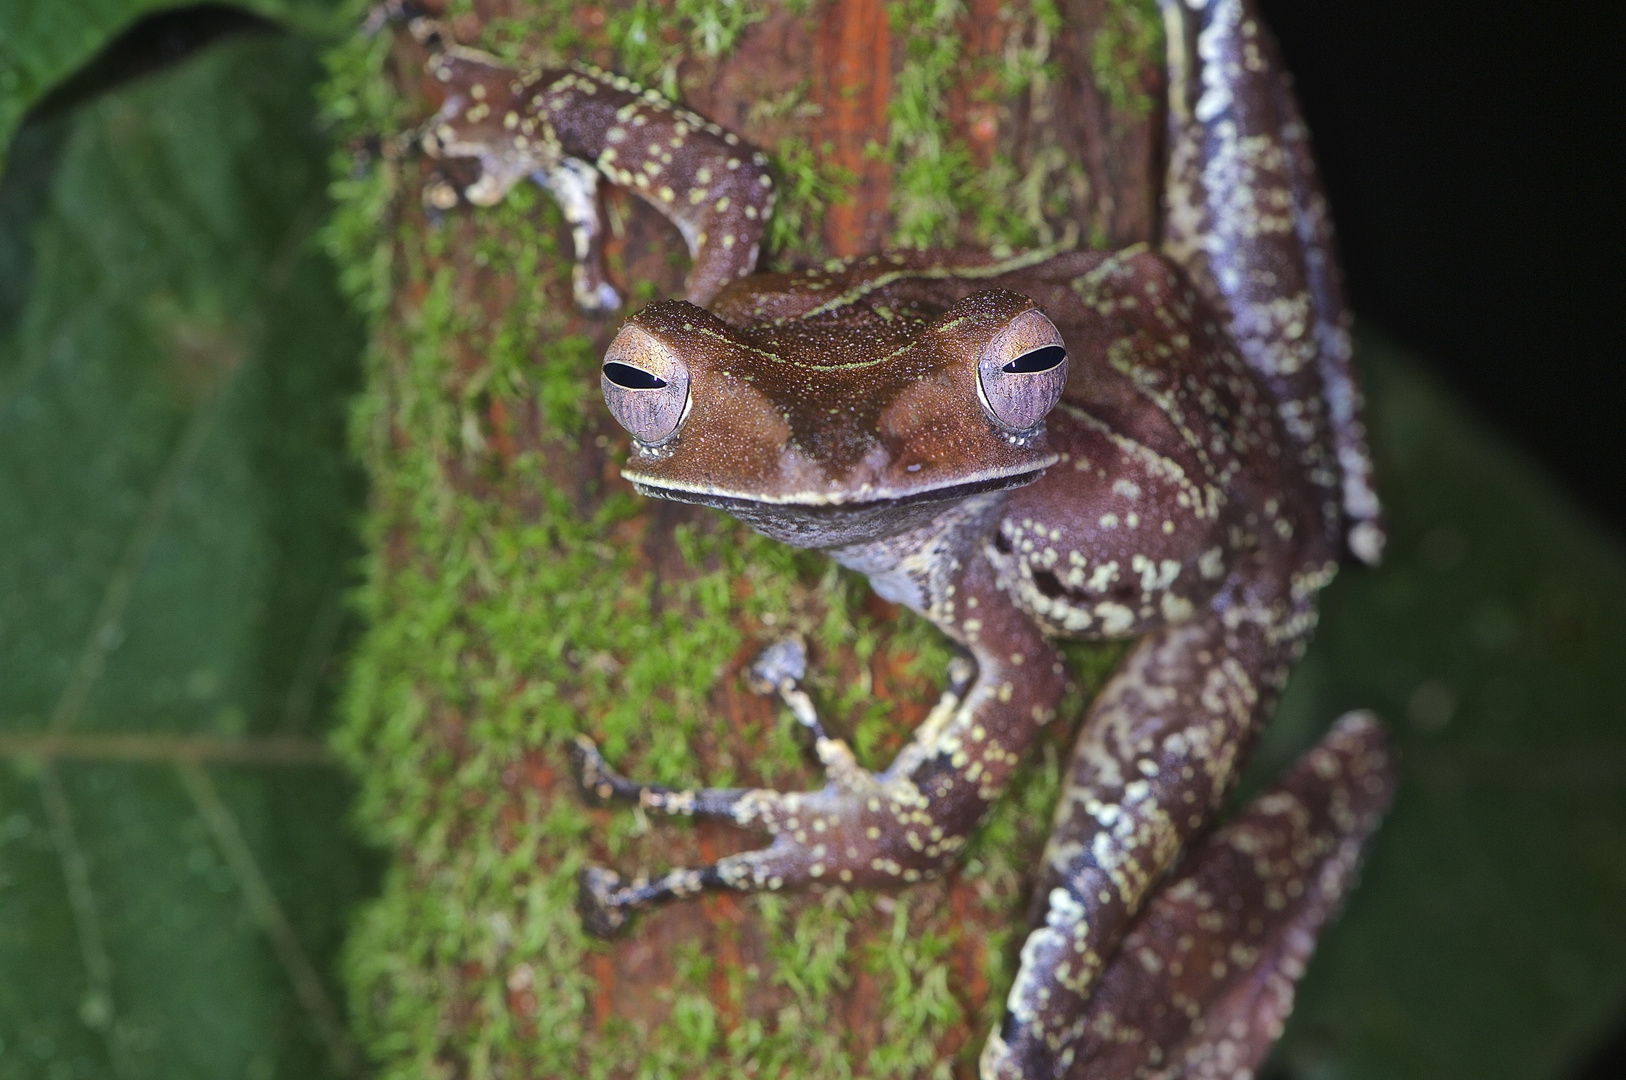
x=1193, y=487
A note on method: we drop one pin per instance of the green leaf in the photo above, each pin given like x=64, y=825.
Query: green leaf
x=176, y=538
x=1487, y=939
x=42, y=42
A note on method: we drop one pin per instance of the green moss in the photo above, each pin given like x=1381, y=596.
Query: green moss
x=504, y=618
x=715, y=26
x=651, y=38
x=809, y=183
x=1129, y=39
x=941, y=196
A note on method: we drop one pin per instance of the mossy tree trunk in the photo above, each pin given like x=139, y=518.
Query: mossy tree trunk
x=518, y=592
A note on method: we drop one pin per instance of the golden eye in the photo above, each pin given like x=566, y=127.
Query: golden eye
x=645, y=384
x=1022, y=372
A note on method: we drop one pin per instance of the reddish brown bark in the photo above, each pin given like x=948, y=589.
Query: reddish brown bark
x=843, y=56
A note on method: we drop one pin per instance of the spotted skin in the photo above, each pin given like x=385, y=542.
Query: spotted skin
x=1246, y=217
x=1199, y=472
x=571, y=129
x=1203, y=983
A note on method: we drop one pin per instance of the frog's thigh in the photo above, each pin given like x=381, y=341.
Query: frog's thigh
x=1114, y=540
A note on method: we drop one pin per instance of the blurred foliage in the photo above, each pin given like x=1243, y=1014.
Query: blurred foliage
x=44, y=42
x=174, y=532
x=1487, y=939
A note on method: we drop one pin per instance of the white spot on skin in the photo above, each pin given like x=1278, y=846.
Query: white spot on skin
x=1115, y=618
x=1126, y=487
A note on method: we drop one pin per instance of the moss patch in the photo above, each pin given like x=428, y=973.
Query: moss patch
x=516, y=596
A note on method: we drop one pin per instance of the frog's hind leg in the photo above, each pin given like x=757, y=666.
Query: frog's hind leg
x=1159, y=750
x=1226, y=938
x=1246, y=218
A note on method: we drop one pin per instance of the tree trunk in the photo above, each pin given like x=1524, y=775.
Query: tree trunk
x=518, y=593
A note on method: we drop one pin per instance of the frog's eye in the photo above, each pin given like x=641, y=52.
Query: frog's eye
x=646, y=385
x=1022, y=372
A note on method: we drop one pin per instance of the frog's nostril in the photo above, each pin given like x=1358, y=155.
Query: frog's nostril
x=1031, y=363
x=631, y=378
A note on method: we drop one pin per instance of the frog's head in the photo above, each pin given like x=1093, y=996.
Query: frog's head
x=822, y=435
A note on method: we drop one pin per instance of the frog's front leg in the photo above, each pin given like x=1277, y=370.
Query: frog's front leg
x=568, y=129
x=865, y=828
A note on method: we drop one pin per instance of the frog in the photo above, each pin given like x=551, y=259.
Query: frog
x=1163, y=444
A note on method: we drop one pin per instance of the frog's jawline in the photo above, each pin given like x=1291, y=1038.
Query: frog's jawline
x=828, y=525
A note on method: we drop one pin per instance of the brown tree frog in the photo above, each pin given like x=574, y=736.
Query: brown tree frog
x=1163, y=444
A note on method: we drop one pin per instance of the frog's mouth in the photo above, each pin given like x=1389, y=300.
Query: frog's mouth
x=815, y=520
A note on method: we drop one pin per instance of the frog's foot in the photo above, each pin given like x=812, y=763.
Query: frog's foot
x=818, y=840
x=861, y=828
x=605, y=902
x=837, y=834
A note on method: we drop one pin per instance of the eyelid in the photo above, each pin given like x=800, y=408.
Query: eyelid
x=1015, y=396
x=645, y=385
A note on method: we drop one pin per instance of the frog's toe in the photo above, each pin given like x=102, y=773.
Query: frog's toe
x=592, y=293
x=596, y=901
x=1367, y=540
x=600, y=785
x=439, y=195
x=784, y=662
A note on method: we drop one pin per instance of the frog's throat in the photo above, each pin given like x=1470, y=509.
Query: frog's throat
x=833, y=524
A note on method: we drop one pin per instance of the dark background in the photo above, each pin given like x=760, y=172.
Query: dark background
x=1475, y=155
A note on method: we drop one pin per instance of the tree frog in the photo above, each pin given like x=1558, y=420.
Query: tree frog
x=1157, y=443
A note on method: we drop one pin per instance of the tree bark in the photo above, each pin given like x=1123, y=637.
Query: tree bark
x=517, y=592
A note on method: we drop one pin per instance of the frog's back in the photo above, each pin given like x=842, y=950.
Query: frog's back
x=1172, y=455
x=1174, y=462
x=1147, y=359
